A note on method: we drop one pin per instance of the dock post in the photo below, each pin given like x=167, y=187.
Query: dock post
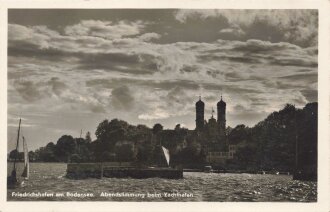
x=101, y=171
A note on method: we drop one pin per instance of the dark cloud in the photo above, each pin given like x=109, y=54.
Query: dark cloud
x=242, y=59
x=120, y=62
x=28, y=90
x=284, y=85
x=239, y=108
x=230, y=89
x=158, y=84
x=211, y=98
x=249, y=118
x=122, y=99
x=305, y=77
x=294, y=26
x=34, y=90
x=233, y=76
x=304, y=70
x=246, y=58
x=232, y=33
x=239, y=77
x=105, y=29
x=261, y=46
x=304, y=62
x=299, y=100
x=262, y=29
x=56, y=85
x=97, y=108
x=310, y=95
x=189, y=69
x=27, y=49
x=258, y=101
x=111, y=58
x=260, y=52
x=177, y=97
x=169, y=84
x=262, y=104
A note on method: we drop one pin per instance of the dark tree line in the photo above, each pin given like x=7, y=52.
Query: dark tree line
x=66, y=149
x=270, y=144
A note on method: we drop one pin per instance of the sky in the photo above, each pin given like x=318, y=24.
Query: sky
x=68, y=70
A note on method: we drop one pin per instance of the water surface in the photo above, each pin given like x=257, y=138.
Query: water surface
x=49, y=177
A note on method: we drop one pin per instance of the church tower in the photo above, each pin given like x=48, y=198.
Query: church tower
x=200, y=114
x=221, y=106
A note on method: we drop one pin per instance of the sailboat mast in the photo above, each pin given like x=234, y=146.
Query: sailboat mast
x=26, y=160
x=19, y=128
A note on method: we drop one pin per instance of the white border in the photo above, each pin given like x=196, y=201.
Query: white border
x=323, y=95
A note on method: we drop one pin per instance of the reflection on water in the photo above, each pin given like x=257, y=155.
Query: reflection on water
x=49, y=177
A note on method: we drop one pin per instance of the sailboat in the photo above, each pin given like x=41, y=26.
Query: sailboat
x=166, y=155
x=12, y=180
x=26, y=171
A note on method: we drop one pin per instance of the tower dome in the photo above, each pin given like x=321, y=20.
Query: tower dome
x=200, y=114
x=221, y=106
x=199, y=102
x=221, y=103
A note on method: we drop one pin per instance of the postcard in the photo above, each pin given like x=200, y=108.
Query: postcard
x=188, y=105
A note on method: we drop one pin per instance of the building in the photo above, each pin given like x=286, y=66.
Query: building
x=212, y=133
x=200, y=115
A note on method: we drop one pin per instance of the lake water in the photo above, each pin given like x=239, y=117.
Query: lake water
x=48, y=179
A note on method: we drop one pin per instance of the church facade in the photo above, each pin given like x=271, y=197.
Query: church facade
x=212, y=134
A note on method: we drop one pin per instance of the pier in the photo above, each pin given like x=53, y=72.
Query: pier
x=99, y=170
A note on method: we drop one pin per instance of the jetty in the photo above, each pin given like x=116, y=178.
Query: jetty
x=119, y=170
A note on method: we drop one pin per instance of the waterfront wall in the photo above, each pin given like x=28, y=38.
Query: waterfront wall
x=99, y=170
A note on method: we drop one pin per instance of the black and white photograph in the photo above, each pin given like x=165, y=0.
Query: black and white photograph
x=162, y=105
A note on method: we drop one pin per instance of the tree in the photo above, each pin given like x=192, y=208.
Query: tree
x=157, y=128
x=75, y=158
x=102, y=129
x=177, y=127
x=190, y=155
x=245, y=156
x=272, y=141
x=65, y=146
x=46, y=155
x=145, y=153
x=88, y=137
x=14, y=154
x=109, y=133
x=32, y=156
x=125, y=152
x=307, y=140
x=239, y=134
x=83, y=150
x=51, y=147
x=107, y=157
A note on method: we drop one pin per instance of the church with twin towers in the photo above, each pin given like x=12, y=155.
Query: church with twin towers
x=211, y=133
x=221, y=115
x=220, y=123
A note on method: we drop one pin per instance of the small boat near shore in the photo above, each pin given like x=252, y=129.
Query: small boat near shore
x=12, y=180
x=208, y=169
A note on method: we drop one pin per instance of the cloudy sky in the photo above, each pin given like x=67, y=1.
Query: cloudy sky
x=70, y=69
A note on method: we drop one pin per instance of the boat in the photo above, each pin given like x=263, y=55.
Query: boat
x=166, y=155
x=26, y=170
x=208, y=169
x=12, y=180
